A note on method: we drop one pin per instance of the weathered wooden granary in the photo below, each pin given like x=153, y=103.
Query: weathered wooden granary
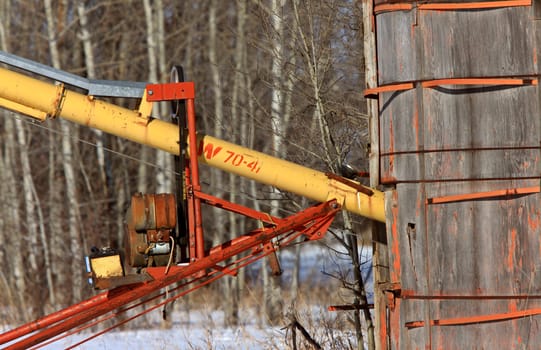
x=456, y=137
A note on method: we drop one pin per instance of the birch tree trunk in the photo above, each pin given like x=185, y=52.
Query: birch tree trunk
x=253, y=190
x=246, y=116
x=35, y=229
x=8, y=186
x=318, y=58
x=237, y=118
x=287, y=114
x=91, y=74
x=124, y=192
x=216, y=176
x=272, y=293
x=277, y=123
x=142, y=179
x=34, y=219
x=69, y=173
x=155, y=38
x=316, y=66
x=165, y=175
x=11, y=222
x=259, y=94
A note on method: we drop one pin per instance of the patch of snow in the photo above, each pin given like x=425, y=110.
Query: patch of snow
x=200, y=328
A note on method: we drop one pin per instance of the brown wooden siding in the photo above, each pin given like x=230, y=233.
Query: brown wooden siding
x=463, y=159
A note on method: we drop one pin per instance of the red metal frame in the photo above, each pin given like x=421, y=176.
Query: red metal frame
x=202, y=269
x=312, y=222
x=186, y=91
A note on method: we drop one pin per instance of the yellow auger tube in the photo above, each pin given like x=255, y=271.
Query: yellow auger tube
x=36, y=98
x=288, y=176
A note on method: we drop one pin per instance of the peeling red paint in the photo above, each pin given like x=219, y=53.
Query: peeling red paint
x=383, y=331
x=415, y=123
x=395, y=324
x=512, y=247
x=512, y=306
x=452, y=228
x=482, y=221
x=388, y=179
x=395, y=248
x=391, y=143
x=533, y=221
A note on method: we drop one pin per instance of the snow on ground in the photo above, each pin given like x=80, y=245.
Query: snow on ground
x=203, y=330
x=201, y=327
x=198, y=334
x=193, y=337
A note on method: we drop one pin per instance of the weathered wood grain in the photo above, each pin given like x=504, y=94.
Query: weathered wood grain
x=456, y=140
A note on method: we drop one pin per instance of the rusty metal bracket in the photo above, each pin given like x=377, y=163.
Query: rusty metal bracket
x=450, y=6
x=352, y=184
x=484, y=195
x=392, y=291
x=433, y=83
x=76, y=315
x=349, y=307
x=457, y=321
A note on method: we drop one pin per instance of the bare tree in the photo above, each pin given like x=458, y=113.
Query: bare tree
x=217, y=180
x=35, y=230
x=75, y=238
x=155, y=35
x=8, y=186
x=272, y=297
x=314, y=23
x=260, y=88
x=238, y=115
x=11, y=221
x=91, y=73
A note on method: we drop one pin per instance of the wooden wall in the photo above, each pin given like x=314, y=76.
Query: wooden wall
x=462, y=160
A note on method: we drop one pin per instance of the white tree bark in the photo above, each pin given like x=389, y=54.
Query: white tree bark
x=253, y=190
x=35, y=228
x=287, y=114
x=55, y=197
x=216, y=176
x=237, y=118
x=316, y=62
x=69, y=172
x=165, y=161
x=142, y=177
x=157, y=72
x=12, y=221
x=34, y=216
x=8, y=186
x=91, y=74
x=122, y=196
x=278, y=124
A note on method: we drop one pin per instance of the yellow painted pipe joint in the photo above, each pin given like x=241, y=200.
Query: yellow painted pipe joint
x=38, y=99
